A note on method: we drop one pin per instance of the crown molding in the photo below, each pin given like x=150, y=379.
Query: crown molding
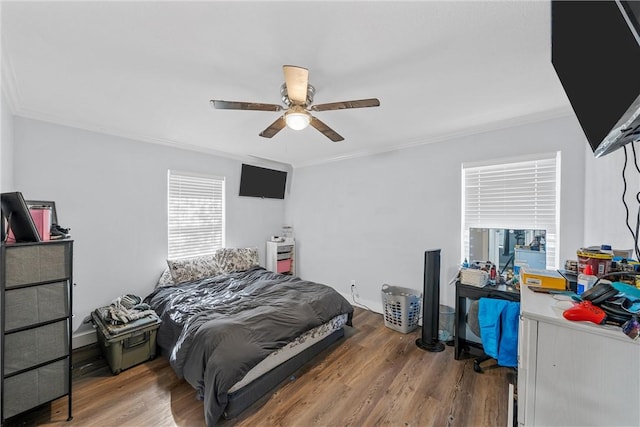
x=12, y=96
x=474, y=130
x=35, y=115
x=8, y=81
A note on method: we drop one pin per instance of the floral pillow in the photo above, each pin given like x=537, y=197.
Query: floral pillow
x=225, y=260
x=165, y=279
x=190, y=269
x=229, y=260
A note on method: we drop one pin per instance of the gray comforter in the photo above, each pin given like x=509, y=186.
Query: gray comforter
x=217, y=329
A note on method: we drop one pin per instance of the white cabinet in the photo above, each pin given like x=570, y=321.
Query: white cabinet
x=574, y=373
x=281, y=256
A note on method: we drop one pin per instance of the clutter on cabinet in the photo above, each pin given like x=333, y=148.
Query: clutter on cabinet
x=571, y=265
x=551, y=279
x=599, y=261
x=585, y=311
x=632, y=328
x=586, y=280
x=606, y=278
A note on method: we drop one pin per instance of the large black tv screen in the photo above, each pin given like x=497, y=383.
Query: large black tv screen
x=262, y=182
x=595, y=51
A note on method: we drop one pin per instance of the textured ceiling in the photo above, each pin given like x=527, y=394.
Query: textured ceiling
x=147, y=70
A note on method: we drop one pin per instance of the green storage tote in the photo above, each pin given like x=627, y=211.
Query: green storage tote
x=127, y=345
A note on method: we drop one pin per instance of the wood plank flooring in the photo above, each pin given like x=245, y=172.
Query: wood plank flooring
x=373, y=377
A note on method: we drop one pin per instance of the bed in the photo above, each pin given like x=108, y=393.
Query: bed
x=235, y=331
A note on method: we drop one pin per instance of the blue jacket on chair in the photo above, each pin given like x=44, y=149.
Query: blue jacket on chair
x=498, y=321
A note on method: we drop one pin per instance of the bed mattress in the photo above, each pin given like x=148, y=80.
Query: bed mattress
x=295, y=347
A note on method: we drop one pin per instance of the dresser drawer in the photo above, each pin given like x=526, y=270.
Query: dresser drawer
x=37, y=263
x=286, y=248
x=35, y=304
x=33, y=388
x=32, y=347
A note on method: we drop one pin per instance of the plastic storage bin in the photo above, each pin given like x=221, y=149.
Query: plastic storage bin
x=401, y=307
x=284, y=266
x=127, y=345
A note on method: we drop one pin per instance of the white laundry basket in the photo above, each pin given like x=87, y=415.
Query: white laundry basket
x=401, y=308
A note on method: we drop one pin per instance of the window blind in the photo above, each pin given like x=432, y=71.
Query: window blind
x=517, y=195
x=196, y=214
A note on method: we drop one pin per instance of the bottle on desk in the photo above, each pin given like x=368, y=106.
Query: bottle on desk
x=586, y=280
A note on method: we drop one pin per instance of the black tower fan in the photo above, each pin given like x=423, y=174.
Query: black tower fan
x=431, y=303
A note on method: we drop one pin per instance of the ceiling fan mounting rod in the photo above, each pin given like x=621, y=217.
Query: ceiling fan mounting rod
x=311, y=91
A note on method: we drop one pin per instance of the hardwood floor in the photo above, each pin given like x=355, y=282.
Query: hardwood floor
x=374, y=376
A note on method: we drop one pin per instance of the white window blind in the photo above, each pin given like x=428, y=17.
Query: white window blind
x=196, y=214
x=517, y=195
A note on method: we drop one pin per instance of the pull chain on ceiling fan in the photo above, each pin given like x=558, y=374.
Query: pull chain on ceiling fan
x=298, y=95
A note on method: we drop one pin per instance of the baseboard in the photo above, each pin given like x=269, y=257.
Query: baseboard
x=375, y=306
x=83, y=338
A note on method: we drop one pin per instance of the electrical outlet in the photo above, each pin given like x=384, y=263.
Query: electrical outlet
x=354, y=290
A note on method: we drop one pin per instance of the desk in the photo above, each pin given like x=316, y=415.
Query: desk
x=473, y=292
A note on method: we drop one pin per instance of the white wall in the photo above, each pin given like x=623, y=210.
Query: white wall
x=6, y=146
x=112, y=192
x=605, y=217
x=371, y=218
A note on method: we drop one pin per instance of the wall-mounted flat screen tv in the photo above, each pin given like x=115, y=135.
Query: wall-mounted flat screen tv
x=595, y=50
x=262, y=182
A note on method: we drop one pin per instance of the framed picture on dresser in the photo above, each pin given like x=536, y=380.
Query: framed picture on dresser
x=16, y=213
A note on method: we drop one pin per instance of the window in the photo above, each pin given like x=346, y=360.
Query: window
x=520, y=194
x=196, y=214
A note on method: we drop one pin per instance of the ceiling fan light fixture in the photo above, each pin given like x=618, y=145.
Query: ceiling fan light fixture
x=297, y=120
x=299, y=105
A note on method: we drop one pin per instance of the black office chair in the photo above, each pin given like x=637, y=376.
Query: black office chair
x=474, y=325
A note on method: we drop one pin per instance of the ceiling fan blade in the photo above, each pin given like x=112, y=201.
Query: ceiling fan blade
x=237, y=105
x=360, y=103
x=297, y=80
x=274, y=128
x=326, y=130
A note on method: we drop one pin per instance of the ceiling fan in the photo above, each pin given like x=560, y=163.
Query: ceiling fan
x=297, y=95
